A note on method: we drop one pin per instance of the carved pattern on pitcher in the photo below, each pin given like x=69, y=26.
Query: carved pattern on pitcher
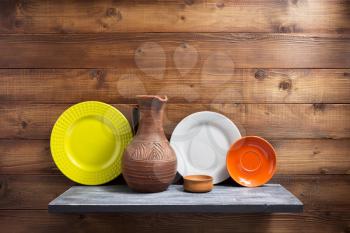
x=151, y=151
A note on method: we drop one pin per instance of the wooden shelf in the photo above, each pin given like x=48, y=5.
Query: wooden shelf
x=269, y=198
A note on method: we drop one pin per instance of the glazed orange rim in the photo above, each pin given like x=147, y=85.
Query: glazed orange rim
x=198, y=178
x=251, y=161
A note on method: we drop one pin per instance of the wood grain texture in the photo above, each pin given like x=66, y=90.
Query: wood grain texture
x=300, y=156
x=277, y=68
x=271, y=198
x=153, y=52
x=174, y=16
x=18, y=193
x=312, y=156
x=273, y=121
x=38, y=119
x=42, y=222
x=229, y=86
x=30, y=192
x=26, y=157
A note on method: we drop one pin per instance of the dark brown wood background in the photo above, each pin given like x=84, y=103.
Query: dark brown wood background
x=290, y=84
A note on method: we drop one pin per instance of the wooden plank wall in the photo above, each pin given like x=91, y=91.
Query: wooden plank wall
x=279, y=69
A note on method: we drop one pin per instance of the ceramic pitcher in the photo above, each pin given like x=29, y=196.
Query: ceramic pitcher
x=149, y=162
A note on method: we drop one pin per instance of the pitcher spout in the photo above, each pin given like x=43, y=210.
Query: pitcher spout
x=151, y=101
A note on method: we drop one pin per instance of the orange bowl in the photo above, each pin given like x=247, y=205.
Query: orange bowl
x=251, y=161
x=198, y=183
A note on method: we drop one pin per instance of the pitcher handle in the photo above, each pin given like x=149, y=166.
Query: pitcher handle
x=135, y=119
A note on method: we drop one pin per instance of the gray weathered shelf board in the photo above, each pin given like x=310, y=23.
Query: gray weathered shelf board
x=222, y=199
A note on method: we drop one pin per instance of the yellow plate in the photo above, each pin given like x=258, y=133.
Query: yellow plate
x=88, y=141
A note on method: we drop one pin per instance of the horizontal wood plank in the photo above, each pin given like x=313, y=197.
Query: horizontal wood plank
x=174, y=16
x=271, y=198
x=213, y=53
x=314, y=191
x=26, y=157
x=273, y=121
x=230, y=86
x=301, y=156
x=312, y=156
x=41, y=221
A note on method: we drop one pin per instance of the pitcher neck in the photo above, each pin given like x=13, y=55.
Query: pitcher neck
x=151, y=117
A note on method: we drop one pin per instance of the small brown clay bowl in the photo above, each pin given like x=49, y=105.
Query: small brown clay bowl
x=198, y=183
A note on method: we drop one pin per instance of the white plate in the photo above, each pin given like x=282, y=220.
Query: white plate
x=201, y=141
